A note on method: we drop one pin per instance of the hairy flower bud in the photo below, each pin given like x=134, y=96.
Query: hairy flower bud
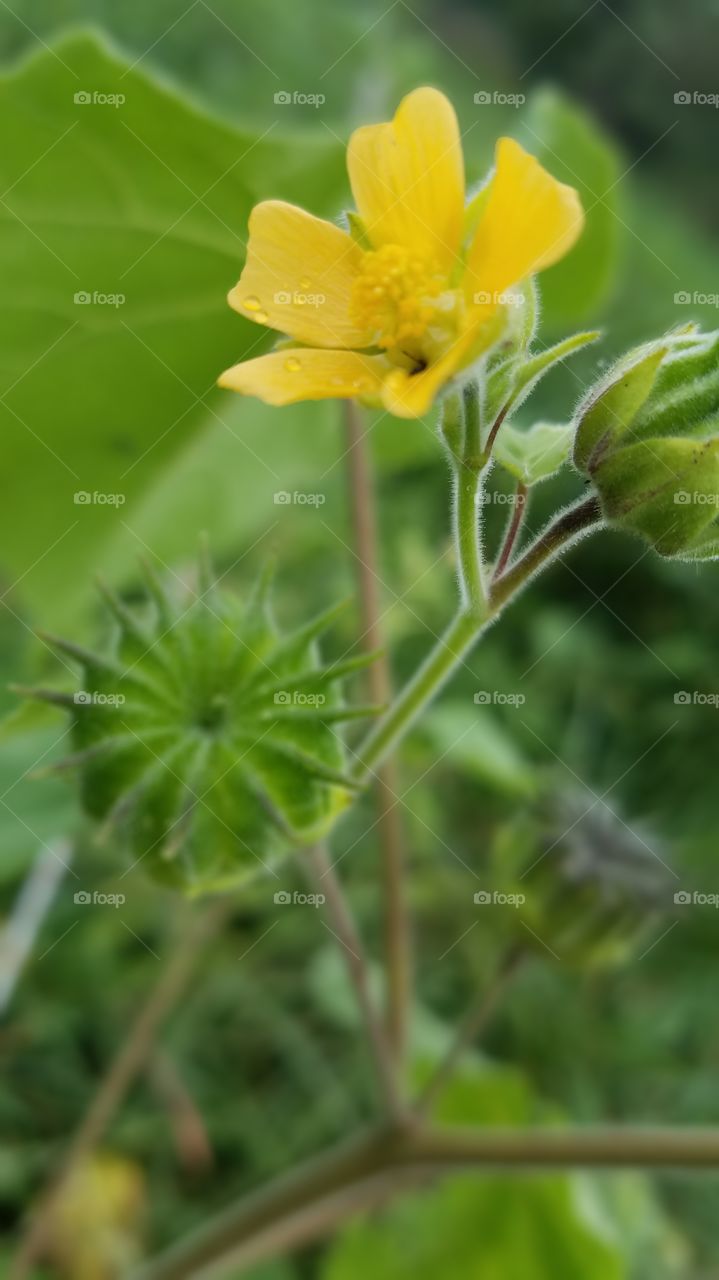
x=648, y=437
x=208, y=738
x=587, y=888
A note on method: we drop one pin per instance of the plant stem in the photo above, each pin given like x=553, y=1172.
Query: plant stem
x=418, y=692
x=467, y=467
x=469, y=1030
x=571, y=525
x=513, y=528
x=345, y=930
x=131, y=1057
x=467, y=486
x=389, y=823
x=464, y=631
x=282, y=1213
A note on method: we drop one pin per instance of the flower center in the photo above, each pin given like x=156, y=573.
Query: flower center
x=403, y=300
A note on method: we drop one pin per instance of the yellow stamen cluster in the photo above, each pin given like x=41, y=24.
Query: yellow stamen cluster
x=397, y=297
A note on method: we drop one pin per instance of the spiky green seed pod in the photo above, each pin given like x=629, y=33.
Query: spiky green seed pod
x=207, y=738
x=648, y=437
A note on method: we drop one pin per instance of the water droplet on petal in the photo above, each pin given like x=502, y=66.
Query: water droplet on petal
x=261, y=317
x=253, y=304
x=293, y=365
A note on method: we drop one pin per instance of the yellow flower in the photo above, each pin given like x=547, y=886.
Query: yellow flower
x=392, y=315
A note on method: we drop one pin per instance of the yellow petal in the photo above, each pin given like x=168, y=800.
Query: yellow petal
x=408, y=178
x=282, y=377
x=298, y=277
x=410, y=395
x=528, y=222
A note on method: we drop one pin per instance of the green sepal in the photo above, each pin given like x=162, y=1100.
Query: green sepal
x=666, y=490
x=533, y=455
x=357, y=229
x=609, y=409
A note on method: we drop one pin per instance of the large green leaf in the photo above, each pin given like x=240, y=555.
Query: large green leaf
x=148, y=200
x=483, y=1228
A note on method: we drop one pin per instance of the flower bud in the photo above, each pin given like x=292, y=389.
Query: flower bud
x=206, y=738
x=648, y=437
x=587, y=887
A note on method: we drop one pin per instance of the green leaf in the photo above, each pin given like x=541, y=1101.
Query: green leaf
x=574, y=149
x=480, y=1228
x=34, y=812
x=148, y=201
x=470, y=738
x=536, y=454
x=536, y=366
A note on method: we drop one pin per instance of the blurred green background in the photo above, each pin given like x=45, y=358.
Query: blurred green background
x=146, y=203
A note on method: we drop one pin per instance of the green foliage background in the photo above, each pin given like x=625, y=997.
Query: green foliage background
x=150, y=200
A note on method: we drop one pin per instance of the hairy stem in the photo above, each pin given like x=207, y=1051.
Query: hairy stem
x=389, y=823
x=344, y=928
x=296, y=1207
x=571, y=525
x=515, y=524
x=423, y=686
x=464, y=631
x=124, y=1068
x=469, y=1030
